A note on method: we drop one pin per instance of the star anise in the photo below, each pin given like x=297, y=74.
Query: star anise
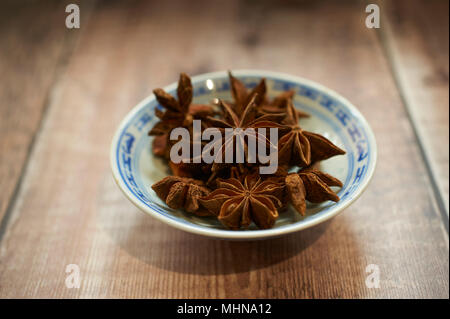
x=311, y=185
x=242, y=96
x=239, y=124
x=178, y=113
x=182, y=192
x=302, y=148
x=184, y=169
x=238, y=171
x=238, y=203
x=280, y=105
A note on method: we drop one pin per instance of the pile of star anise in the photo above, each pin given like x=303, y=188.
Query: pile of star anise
x=237, y=194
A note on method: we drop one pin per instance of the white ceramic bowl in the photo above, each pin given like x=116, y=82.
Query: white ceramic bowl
x=135, y=169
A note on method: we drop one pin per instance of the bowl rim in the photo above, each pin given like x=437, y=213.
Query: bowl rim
x=246, y=234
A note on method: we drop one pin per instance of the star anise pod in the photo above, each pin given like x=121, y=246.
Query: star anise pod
x=238, y=203
x=182, y=192
x=311, y=185
x=302, y=148
x=248, y=119
x=280, y=105
x=178, y=113
x=279, y=177
x=184, y=169
x=242, y=96
x=238, y=171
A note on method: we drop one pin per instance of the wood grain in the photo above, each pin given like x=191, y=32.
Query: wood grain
x=69, y=211
x=32, y=51
x=416, y=38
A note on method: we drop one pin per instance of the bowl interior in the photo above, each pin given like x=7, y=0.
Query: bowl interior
x=331, y=115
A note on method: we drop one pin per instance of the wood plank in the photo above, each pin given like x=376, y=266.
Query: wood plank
x=416, y=36
x=70, y=211
x=33, y=42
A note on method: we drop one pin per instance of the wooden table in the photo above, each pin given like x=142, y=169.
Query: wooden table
x=64, y=91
